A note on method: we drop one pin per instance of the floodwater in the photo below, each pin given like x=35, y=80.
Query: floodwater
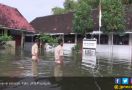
x=79, y=71
x=21, y=65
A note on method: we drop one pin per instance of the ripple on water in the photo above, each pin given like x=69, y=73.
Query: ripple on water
x=21, y=65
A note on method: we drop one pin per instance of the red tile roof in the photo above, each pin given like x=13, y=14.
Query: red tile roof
x=11, y=18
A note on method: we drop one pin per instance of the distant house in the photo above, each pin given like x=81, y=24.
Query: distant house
x=62, y=25
x=13, y=23
x=56, y=25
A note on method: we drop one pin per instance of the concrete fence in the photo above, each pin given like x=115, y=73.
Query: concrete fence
x=105, y=51
x=115, y=51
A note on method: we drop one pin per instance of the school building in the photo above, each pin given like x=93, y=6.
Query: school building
x=13, y=23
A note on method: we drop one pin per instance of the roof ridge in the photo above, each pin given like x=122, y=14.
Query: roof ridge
x=1, y=4
x=52, y=15
x=12, y=18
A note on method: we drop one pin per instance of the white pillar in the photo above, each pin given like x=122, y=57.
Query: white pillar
x=22, y=39
x=110, y=42
x=5, y=32
x=32, y=37
x=63, y=38
x=130, y=39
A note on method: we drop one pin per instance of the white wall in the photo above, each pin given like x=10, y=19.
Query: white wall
x=67, y=47
x=105, y=51
x=115, y=51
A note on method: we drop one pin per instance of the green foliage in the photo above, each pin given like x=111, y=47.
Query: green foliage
x=93, y=3
x=83, y=21
x=4, y=38
x=113, y=16
x=58, y=10
x=48, y=39
x=127, y=2
x=76, y=47
x=69, y=6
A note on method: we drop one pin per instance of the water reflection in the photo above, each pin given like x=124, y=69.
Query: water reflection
x=74, y=65
x=34, y=68
x=89, y=58
x=58, y=72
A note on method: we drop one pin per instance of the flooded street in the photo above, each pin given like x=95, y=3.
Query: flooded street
x=21, y=65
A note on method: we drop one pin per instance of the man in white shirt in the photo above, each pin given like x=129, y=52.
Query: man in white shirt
x=35, y=51
x=35, y=57
x=59, y=52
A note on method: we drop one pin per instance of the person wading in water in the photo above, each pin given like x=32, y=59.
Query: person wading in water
x=59, y=52
x=35, y=57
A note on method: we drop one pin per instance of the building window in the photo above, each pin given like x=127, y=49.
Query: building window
x=121, y=40
x=69, y=38
x=103, y=38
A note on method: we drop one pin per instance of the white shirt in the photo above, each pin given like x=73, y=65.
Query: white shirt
x=58, y=52
x=35, y=52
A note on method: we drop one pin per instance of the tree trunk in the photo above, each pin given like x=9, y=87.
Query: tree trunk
x=76, y=38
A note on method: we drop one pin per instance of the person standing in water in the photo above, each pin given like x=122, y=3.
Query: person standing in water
x=35, y=57
x=59, y=52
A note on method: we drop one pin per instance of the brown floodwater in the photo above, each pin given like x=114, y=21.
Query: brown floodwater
x=21, y=65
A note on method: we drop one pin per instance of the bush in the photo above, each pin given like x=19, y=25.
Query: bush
x=48, y=39
x=4, y=39
x=77, y=47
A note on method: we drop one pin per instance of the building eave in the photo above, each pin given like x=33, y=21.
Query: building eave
x=21, y=30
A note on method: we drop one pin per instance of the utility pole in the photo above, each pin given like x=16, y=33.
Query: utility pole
x=100, y=16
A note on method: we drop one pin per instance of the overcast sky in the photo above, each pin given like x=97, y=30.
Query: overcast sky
x=31, y=9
